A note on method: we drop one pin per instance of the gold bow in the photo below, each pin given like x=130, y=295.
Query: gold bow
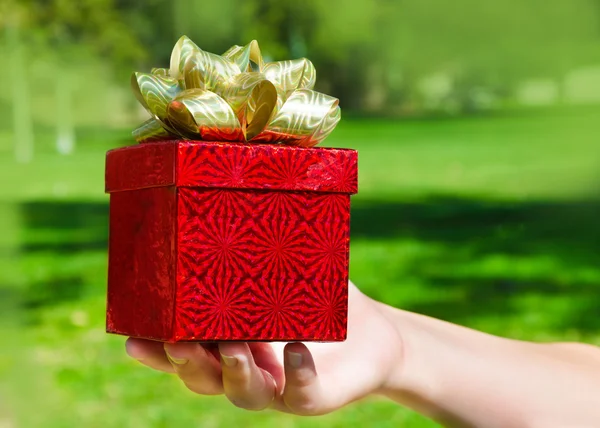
x=233, y=97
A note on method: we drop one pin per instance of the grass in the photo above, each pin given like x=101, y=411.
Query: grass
x=490, y=222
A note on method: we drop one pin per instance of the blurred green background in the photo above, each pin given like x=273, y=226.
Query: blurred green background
x=477, y=128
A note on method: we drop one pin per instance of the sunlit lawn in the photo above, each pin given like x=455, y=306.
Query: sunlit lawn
x=489, y=222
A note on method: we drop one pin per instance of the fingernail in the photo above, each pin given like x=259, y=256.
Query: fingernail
x=295, y=359
x=229, y=361
x=129, y=351
x=178, y=361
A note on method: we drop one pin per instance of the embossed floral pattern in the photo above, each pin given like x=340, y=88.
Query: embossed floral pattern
x=326, y=312
x=284, y=254
x=218, y=304
x=278, y=247
x=216, y=246
x=278, y=308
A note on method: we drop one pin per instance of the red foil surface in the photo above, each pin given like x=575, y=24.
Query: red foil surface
x=250, y=243
x=142, y=262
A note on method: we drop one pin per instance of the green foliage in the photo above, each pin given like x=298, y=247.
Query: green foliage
x=512, y=38
x=102, y=26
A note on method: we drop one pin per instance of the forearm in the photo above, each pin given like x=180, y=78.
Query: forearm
x=465, y=378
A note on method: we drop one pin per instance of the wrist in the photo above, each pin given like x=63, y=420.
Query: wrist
x=384, y=340
x=394, y=365
x=438, y=364
x=407, y=380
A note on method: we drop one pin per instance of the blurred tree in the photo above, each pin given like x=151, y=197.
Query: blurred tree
x=377, y=56
x=373, y=55
x=347, y=44
x=214, y=26
x=65, y=33
x=283, y=28
x=493, y=44
x=106, y=27
x=99, y=25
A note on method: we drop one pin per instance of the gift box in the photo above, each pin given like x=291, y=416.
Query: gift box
x=226, y=223
x=220, y=241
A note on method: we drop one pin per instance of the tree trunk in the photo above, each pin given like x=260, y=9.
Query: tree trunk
x=65, y=132
x=22, y=120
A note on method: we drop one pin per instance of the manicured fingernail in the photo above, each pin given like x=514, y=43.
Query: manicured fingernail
x=229, y=361
x=295, y=359
x=178, y=361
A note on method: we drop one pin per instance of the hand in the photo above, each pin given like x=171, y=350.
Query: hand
x=308, y=379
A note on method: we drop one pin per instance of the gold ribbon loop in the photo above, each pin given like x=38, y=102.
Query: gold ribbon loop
x=327, y=125
x=234, y=97
x=248, y=58
x=202, y=114
x=154, y=93
x=181, y=52
x=305, y=119
x=252, y=98
x=208, y=71
x=291, y=75
x=162, y=72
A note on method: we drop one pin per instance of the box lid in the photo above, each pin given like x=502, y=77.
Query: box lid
x=231, y=165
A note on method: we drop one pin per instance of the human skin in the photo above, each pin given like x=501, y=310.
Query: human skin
x=454, y=375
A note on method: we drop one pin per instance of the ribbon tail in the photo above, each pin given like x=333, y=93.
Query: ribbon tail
x=151, y=131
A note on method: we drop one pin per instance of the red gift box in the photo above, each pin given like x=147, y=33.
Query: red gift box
x=225, y=241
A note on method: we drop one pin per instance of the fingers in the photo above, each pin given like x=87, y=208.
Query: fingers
x=267, y=359
x=246, y=385
x=246, y=373
x=197, y=368
x=149, y=353
x=303, y=394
